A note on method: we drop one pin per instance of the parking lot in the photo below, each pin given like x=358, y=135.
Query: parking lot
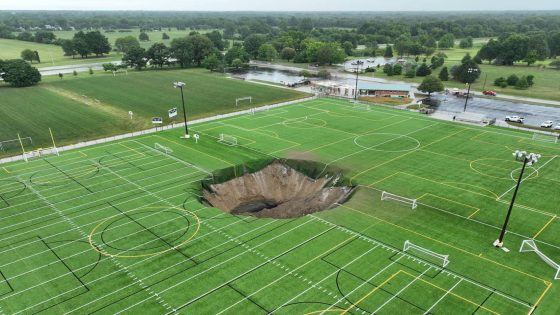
x=499, y=109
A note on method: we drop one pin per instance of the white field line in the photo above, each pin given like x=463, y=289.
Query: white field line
x=122, y=268
x=309, y=288
x=81, y=197
x=89, y=249
x=442, y=297
x=145, y=260
x=524, y=179
x=400, y=291
x=65, y=160
x=194, y=276
x=93, y=223
x=361, y=285
x=429, y=263
x=176, y=159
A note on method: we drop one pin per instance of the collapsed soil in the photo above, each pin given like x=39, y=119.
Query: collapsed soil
x=276, y=191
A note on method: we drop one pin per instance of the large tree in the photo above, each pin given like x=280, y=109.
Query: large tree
x=180, y=49
x=44, y=37
x=217, y=40
x=28, y=55
x=124, y=43
x=431, y=84
x=252, y=44
x=288, y=53
x=236, y=52
x=81, y=45
x=446, y=41
x=267, y=52
x=68, y=47
x=19, y=73
x=200, y=47
x=135, y=57
x=158, y=54
x=97, y=43
x=468, y=71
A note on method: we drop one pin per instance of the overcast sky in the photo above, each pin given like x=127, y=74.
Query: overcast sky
x=280, y=5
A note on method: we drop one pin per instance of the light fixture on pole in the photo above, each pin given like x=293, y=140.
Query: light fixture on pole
x=358, y=64
x=470, y=71
x=528, y=159
x=180, y=85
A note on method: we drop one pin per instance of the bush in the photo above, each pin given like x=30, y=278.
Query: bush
x=397, y=69
x=75, y=73
x=555, y=64
x=500, y=81
x=90, y=71
x=324, y=74
x=512, y=80
x=109, y=67
x=444, y=74
x=531, y=80
x=410, y=73
x=522, y=83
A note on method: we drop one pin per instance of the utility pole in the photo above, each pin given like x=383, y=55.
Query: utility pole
x=180, y=85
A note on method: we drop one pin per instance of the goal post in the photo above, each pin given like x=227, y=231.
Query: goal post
x=442, y=259
x=6, y=145
x=361, y=106
x=227, y=139
x=389, y=196
x=162, y=148
x=545, y=137
x=243, y=99
x=531, y=246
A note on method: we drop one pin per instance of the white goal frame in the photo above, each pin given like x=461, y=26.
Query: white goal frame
x=162, y=148
x=39, y=153
x=389, y=196
x=120, y=71
x=241, y=99
x=409, y=245
x=530, y=246
x=227, y=139
x=361, y=106
x=4, y=143
x=545, y=137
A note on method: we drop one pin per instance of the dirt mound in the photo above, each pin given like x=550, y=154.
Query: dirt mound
x=276, y=191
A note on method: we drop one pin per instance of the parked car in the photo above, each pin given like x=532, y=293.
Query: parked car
x=489, y=93
x=516, y=119
x=547, y=124
x=557, y=127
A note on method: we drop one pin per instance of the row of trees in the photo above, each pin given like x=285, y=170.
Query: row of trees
x=19, y=73
x=85, y=44
x=43, y=37
x=511, y=48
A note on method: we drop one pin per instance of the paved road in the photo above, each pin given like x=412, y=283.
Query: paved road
x=71, y=68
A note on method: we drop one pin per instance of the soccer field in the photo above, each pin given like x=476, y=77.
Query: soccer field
x=118, y=227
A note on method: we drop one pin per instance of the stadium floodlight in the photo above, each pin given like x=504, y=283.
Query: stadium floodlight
x=470, y=71
x=180, y=85
x=528, y=159
x=358, y=64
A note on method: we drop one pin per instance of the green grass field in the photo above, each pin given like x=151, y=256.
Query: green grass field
x=89, y=107
x=51, y=55
x=117, y=228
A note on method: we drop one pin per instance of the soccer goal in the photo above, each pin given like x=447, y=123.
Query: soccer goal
x=441, y=259
x=389, y=196
x=545, y=138
x=227, y=139
x=530, y=246
x=243, y=99
x=361, y=106
x=162, y=148
x=7, y=145
x=120, y=71
x=38, y=153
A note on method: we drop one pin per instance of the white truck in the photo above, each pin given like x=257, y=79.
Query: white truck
x=515, y=119
x=547, y=124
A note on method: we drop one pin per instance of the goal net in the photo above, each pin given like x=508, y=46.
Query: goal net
x=14, y=144
x=545, y=138
x=227, y=139
x=389, y=196
x=530, y=246
x=361, y=106
x=162, y=148
x=243, y=99
x=426, y=254
x=39, y=153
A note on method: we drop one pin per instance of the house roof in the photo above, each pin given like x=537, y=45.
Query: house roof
x=383, y=87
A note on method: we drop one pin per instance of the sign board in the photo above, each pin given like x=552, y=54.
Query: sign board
x=157, y=120
x=172, y=112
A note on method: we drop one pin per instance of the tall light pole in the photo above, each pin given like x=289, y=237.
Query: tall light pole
x=358, y=64
x=180, y=85
x=528, y=159
x=470, y=71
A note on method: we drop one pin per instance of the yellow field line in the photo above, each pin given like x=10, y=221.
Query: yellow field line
x=451, y=293
x=444, y=243
x=355, y=304
x=549, y=285
x=384, y=178
x=452, y=201
x=544, y=227
x=5, y=169
x=472, y=214
x=132, y=149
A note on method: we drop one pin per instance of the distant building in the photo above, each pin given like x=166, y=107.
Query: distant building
x=368, y=89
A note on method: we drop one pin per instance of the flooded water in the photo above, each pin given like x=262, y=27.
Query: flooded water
x=269, y=75
x=371, y=62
